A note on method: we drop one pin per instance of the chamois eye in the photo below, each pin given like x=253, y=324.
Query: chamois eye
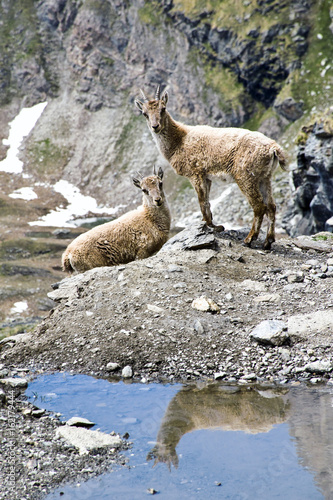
x=145, y=191
x=160, y=185
x=145, y=115
x=163, y=110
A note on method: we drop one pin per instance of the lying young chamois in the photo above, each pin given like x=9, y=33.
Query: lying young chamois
x=199, y=152
x=135, y=235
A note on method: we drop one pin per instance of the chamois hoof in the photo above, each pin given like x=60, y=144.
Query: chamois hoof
x=267, y=245
x=218, y=229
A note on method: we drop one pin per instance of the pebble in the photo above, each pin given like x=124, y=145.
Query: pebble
x=319, y=366
x=80, y=422
x=205, y=304
x=112, y=367
x=153, y=308
x=15, y=382
x=270, y=332
x=296, y=278
x=127, y=372
x=198, y=327
x=38, y=413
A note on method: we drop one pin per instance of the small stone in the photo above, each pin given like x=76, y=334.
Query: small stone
x=269, y=297
x=174, y=269
x=319, y=366
x=254, y=286
x=3, y=397
x=250, y=376
x=285, y=354
x=38, y=413
x=152, y=491
x=198, y=327
x=312, y=262
x=127, y=372
x=219, y=375
x=296, y=278
x=270, y=332
x=315, y=380
x=20, y=383
x=112, y=367
x=153, y=308
x=229, y=296
x=205, y=304
x=80, y=422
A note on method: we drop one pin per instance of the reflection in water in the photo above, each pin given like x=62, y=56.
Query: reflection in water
x=217, y=407
x=312, y=429
x=260, y=443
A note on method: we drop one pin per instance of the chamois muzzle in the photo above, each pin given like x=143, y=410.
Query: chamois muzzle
x=156, y=127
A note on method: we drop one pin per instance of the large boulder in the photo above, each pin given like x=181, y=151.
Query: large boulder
x=311, y=205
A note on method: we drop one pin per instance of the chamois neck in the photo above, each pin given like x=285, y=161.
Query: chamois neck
x=171, y=136
x=161, y=214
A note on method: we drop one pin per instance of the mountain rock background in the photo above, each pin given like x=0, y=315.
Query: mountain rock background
x=265, y=65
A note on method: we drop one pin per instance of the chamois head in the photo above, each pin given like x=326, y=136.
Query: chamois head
x=154, y=110
x=151, y=187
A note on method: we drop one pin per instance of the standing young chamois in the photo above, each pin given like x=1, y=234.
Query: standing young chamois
x=199, y=152
x=135, y=235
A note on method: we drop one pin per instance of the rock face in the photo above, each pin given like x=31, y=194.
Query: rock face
x=311, y=207
x=89, y=60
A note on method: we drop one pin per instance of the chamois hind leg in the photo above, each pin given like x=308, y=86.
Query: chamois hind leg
x=271, y=210
x=202, y=186
x=256, y=200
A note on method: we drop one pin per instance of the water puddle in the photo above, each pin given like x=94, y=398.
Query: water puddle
x=202, y=441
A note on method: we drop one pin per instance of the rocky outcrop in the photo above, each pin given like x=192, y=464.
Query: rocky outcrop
x=311, y=207
x=192, y=311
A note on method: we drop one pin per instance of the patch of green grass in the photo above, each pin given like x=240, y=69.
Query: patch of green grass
x=26, y=248
x=46, y=157
x=322, y=237
x=219, y=79
x=9, y=331
x=324, y=119
x=313, y=82
x=151, y=13
x=237, y=15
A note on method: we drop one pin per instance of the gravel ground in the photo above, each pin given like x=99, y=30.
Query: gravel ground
x=185, y=314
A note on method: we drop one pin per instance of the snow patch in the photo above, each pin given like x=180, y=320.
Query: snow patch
x=20, y=127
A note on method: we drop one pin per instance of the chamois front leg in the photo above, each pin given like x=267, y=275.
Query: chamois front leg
x=202, y=187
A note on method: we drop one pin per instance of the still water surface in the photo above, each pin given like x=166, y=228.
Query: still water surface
x=206, y=441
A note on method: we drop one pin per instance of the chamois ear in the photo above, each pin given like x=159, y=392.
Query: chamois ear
x=138, y=104
x=160, y=173
x=165, y=97
x=136, y=183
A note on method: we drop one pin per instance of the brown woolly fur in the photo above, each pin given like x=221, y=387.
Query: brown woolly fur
x=135, y=235
x=199, y=152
